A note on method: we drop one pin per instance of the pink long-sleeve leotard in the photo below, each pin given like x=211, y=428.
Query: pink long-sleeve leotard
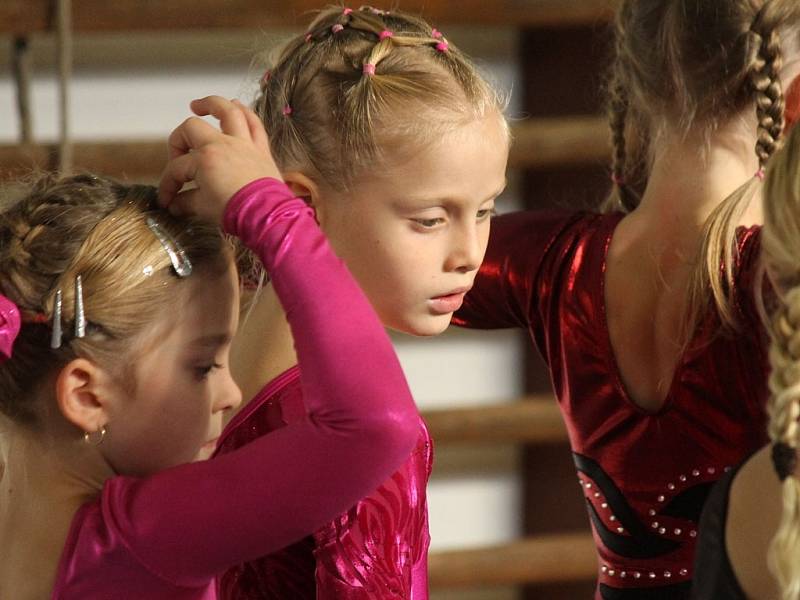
x=167, y=536
x=645, y=476
x=376, y=550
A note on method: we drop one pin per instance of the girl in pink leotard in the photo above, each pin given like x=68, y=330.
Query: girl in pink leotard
x=398, y=143
x=117, y=320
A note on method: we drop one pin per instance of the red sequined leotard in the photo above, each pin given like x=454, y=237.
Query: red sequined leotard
x=376, y=550
x=645, y=476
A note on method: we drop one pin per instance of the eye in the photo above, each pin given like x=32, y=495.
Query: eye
x=204, y=371
x=429, y=223
x=486, y=213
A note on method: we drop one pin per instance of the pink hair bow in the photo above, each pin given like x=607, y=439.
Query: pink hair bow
x=9, y=327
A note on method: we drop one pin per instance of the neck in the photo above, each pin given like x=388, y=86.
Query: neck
x=263, y=347
x=691, y=176
x=45, y=479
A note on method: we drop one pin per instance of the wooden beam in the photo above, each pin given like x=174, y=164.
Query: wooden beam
x=560, y=141
x=535, y=420
x=24, y=16
x=557, y=558
x=538, y=143
x=140, y=161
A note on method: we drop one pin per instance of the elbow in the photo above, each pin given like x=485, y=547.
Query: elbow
x=395, y=433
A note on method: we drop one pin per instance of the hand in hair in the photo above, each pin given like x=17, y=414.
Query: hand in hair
x=219, y=162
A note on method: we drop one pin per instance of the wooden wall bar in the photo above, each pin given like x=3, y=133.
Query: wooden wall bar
x=547, y=559
x=537, y=143
x=24, y=16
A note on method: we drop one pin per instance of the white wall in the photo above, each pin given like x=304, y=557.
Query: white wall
x=139, y=87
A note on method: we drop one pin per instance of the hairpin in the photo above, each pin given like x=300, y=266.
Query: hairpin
x=180, y=262
x=55, y=338
x=80, y=316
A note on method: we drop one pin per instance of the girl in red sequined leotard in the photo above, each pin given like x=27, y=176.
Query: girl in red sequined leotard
x=400, y=146
x=658, y=363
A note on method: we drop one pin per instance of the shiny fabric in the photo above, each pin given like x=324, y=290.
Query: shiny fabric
x=714, y=577
x=9, y=327
x=169, y=535
x=644, y=475
x=376, y=550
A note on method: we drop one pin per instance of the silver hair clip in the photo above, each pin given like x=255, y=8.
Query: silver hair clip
x=180, y=262
x=80, y=317
x=55, y=339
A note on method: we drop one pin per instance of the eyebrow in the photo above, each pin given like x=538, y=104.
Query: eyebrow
x=441, y=201
x=211, y=340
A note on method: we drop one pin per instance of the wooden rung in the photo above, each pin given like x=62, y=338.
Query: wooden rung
x=24, y=16
x=557, y=558
x=560, y=141
x=538, y=143
x=533, y=421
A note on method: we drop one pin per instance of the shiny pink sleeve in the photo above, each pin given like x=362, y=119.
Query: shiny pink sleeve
x=189, y=523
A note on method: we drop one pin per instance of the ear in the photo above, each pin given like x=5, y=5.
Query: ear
x=304, y=187
x=84, y=393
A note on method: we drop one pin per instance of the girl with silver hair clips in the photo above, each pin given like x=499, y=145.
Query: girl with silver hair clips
x=116, y=321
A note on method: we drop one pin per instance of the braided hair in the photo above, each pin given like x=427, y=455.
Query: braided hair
x=358, y=86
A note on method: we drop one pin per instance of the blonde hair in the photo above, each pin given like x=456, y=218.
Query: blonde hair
x=781, y=255
x=54, y=228
x=360, y=84
x=695, y=65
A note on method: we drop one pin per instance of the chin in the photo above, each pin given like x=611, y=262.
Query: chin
x=426, y=326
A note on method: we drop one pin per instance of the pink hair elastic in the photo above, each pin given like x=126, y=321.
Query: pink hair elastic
x=287, y=110
x=337, y=28
x=385, y=34
x=347, y=11
x=369, y=69
x=265, y=77
x=442, y=46
x=436, y=34
x=617, y=179
x=761, y=173
x=309, y=37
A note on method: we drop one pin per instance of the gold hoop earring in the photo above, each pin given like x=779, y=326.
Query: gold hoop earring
x=87, y=436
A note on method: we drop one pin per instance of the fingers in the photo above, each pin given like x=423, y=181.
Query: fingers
x=190, y=135
x=186, y=203
x=179, y=171
x=256, y=127
x=230, y=117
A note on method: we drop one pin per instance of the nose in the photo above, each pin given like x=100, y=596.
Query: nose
x=467, y=247
x=230, y=395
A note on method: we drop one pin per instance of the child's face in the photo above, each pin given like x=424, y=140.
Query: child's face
x=183, y=382
x=414, y=235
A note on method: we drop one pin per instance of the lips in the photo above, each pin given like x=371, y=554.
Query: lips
x=449, y=302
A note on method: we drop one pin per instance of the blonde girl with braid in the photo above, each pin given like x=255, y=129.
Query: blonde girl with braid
x=645, y=312
x=749, y=544
x=399, y=146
